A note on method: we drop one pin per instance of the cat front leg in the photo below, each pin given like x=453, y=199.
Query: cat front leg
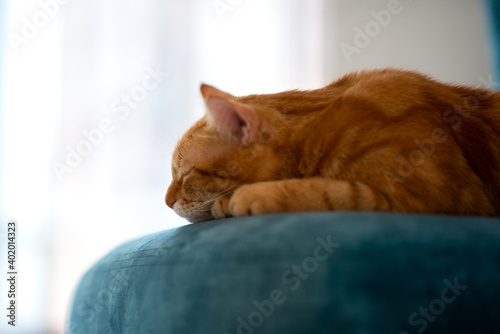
x=296, y=195
x=220, y=208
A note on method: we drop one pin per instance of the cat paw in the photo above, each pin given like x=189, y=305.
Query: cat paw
x=220, y=208
x=254, y=199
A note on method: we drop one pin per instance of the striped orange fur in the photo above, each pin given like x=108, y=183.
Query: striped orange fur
x=382, y=140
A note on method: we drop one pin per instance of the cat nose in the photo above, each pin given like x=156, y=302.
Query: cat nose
x=170, y=203
x=170, y=199
x=171, y=195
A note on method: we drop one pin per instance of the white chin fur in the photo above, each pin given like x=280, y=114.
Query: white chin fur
x=200, y=218
x=188, y=214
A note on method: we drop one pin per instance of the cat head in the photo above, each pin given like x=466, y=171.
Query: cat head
x=228, y=147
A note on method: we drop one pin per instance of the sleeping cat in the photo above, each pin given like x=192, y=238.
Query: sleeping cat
x=382, y=140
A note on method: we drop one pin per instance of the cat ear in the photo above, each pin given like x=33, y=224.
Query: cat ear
x=207, y=91
x=228, y=116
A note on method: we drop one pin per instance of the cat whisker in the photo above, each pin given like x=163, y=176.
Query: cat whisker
x=219, y=195
x=201, y=209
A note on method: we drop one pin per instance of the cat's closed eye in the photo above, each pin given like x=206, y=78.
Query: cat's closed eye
x=210, y=174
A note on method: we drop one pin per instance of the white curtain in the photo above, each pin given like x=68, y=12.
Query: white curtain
x=96, y=98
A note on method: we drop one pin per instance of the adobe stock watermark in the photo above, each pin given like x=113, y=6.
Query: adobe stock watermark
x=293, y=278
x=224, y=6
x=372, y=29
x=121, y=107
x=453, y=117
x=424, y=315
x=31, y=27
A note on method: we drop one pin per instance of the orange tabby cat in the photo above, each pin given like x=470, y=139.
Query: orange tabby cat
x=383, y=140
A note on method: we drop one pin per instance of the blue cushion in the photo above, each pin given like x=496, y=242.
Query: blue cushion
x=300, y=273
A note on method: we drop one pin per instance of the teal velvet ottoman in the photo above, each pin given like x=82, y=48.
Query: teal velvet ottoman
x=300, y=273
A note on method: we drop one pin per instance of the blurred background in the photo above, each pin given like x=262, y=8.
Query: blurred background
x=94, y=95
